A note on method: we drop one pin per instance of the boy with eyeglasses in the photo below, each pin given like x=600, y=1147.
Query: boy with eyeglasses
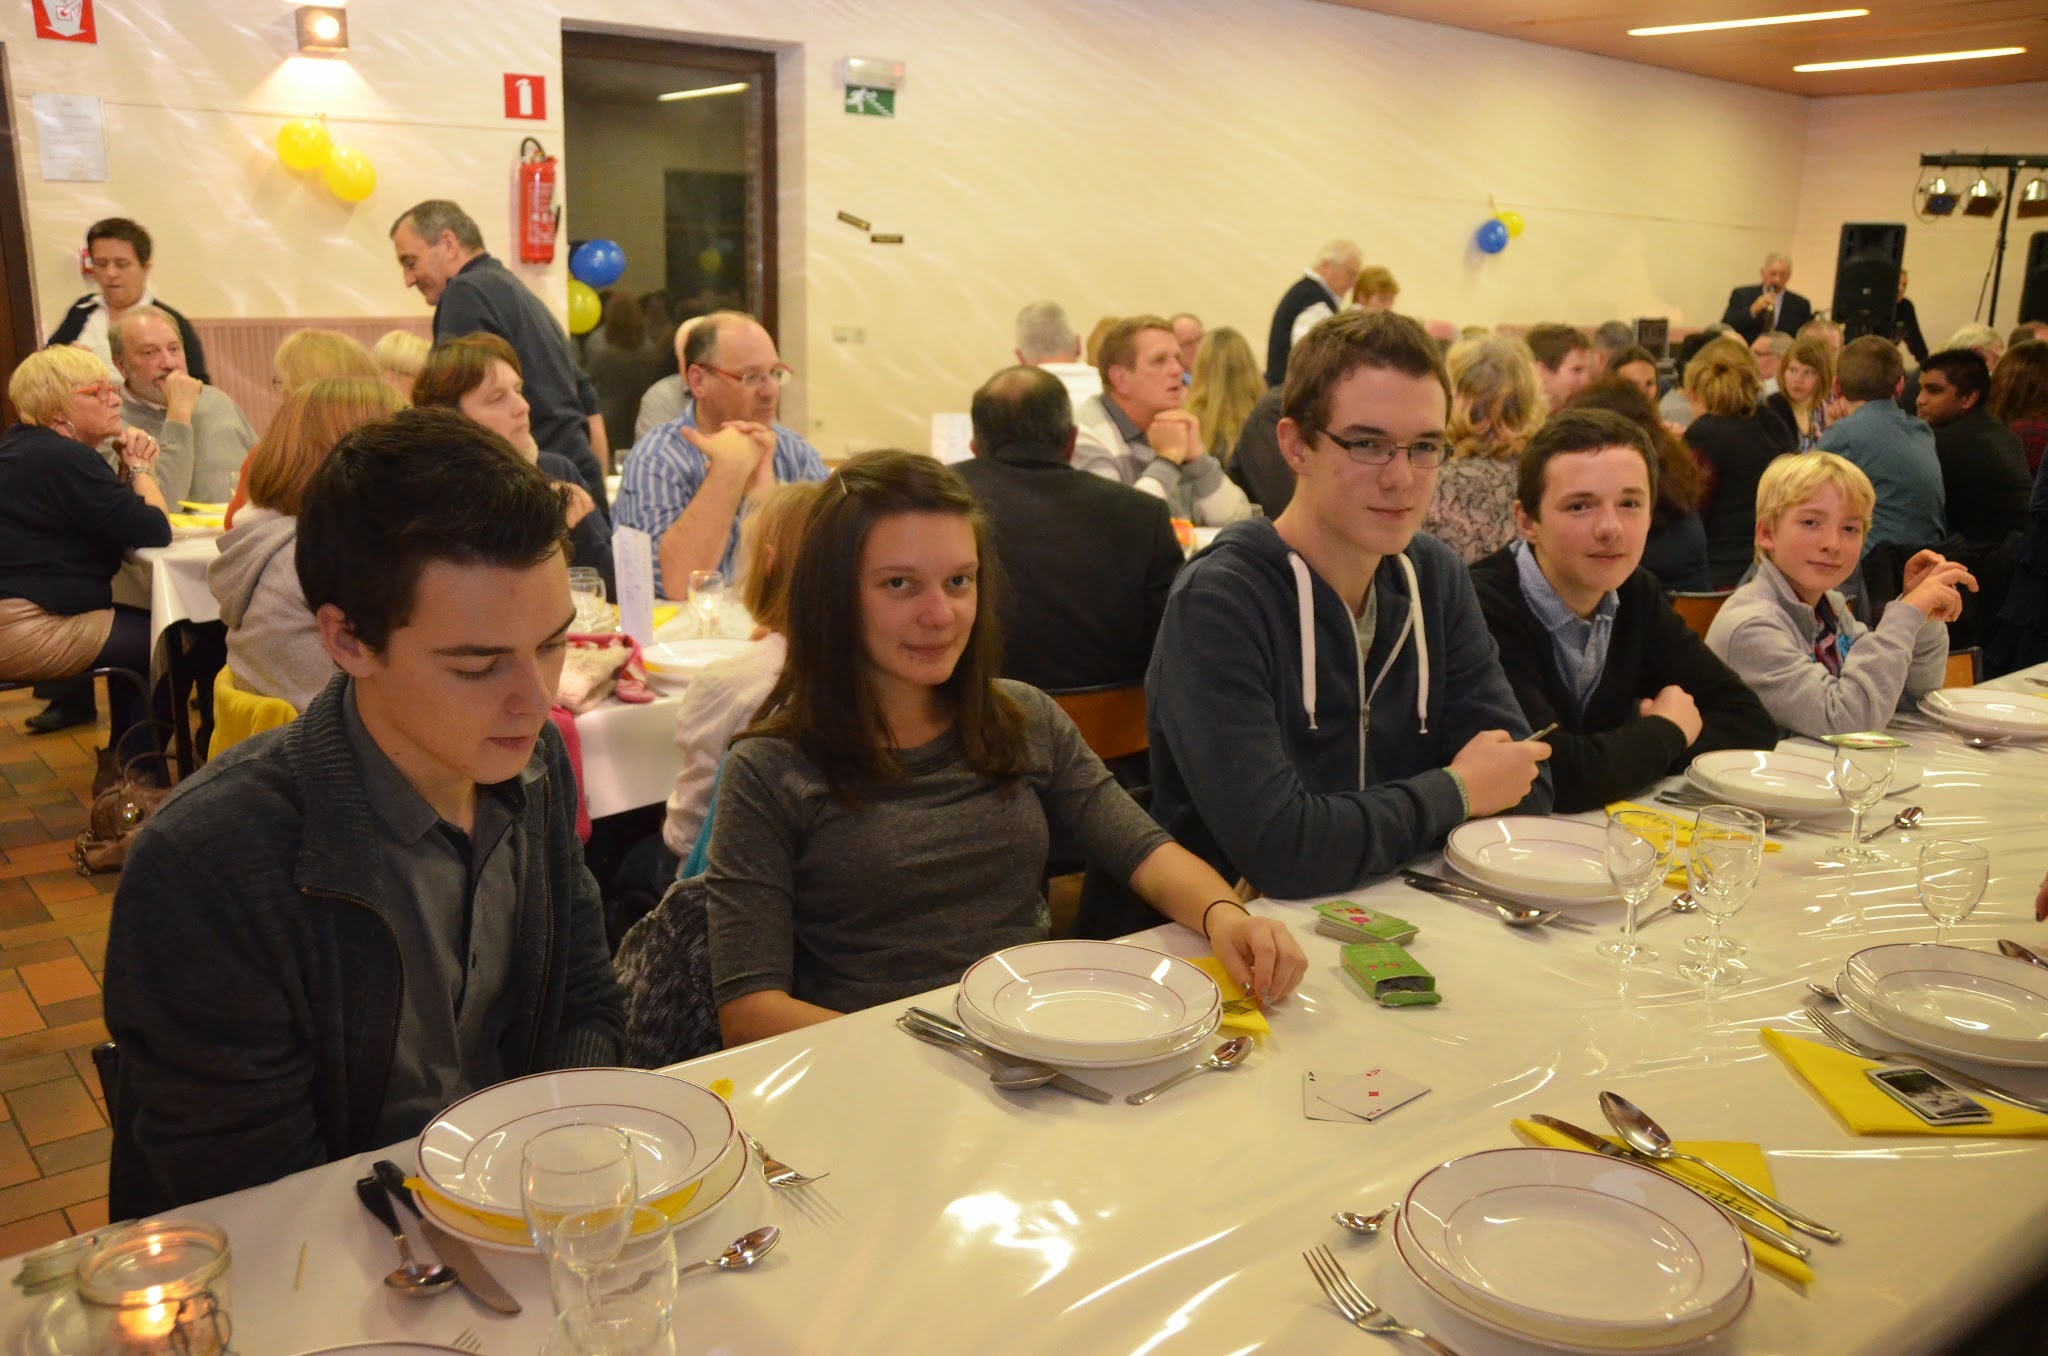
x=1325, y=702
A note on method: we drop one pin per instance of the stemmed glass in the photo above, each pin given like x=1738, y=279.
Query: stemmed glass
x=624, y=1306
x=1638, y=849
x=578, y=1185
x=586, y=591
x=707, y=600
x=1862, y=776
x=1952, y=879
x=1727, y=855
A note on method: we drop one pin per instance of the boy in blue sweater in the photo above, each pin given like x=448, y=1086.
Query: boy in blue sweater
x=1325, y=701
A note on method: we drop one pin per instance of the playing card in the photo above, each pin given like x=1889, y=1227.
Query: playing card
x=1315, y=1108
x=1369, y=1095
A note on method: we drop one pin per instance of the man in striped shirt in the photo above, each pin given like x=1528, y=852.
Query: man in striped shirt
x=685, y=482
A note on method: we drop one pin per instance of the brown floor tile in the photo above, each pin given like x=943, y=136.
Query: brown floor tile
x=55, y=1110
x=58, y=981
x=54, y=1041
x=22, y=776
x=18, y=1015
x=64, y=754
x=60, y=885
x=80, y=1151
x=89, y=1216
x=17, y=1164
x=45, y=1194
x=28, y=1234
x=72, y=1010
x=20, y=1073
x=27, y=831
x=54, y=852
x=88, y=1072
x=87, y=913
x=92, y=949
x=19, y=907
x=53, y=942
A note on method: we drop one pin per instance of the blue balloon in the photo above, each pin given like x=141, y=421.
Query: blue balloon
x=597, y=262
x=1493, y=236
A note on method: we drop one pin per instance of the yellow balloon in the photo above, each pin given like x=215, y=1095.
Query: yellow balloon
x=711, y=260
x=1511, y=220
x=585, y=310
x=349, y=175
x=304, y=144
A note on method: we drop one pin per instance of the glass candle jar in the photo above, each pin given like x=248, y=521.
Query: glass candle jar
x=159, y=1288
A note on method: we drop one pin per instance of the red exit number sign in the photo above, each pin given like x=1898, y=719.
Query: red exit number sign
x=526, y=96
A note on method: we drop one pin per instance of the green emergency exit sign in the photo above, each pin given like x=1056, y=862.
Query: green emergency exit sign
x=868, y=102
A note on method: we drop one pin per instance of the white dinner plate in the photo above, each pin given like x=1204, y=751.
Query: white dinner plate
x=715, y=1186
x=1691, y=1336
x=1544, y=856
x=386, y=1349
x=1987, y=711
x=1088, y=1000
x=683, y=658
x=1575, y=1247
x=1953, y=1001
x=1784, y=781
x=471, y=1152
x=1009, y=1045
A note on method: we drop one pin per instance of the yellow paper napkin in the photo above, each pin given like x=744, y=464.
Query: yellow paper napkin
x=194, y=519
x=1745, y=1161
x=1838, y=1077
x=664, y=613
x=1676, y=877
x=512, y=1228
x=1250, y=1020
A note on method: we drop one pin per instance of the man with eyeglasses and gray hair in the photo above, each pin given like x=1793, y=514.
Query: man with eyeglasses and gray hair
x=685, y=482
x=1325, y=701
x=1046, y=338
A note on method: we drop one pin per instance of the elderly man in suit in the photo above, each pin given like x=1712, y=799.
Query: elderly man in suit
x=1768, y=305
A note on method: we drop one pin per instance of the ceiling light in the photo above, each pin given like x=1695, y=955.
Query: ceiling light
x=1925, y=58
x=323, y=29
x=1667, y=29
x=1937, y=199
x=704, y=93
x=1982, y=200
x=2033, y=200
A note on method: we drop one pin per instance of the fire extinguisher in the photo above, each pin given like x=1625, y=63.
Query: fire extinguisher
x=538, y=218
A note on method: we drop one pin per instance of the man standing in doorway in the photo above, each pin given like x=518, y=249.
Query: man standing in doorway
x=120, y=251
x=442, y=254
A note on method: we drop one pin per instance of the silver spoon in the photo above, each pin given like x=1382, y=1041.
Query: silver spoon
x=1682, y=902
x=1363, y=1224
x=1823, y=990
x=1647, y=1138
x=1908, y=818
x=739, y=1254
x=412, y=1277
x=1228, y=1056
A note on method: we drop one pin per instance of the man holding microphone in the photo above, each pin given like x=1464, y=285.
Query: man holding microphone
x=1768, y=306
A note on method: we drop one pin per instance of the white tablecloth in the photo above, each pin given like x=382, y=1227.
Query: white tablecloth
x=177, y=583
x=962, y=1219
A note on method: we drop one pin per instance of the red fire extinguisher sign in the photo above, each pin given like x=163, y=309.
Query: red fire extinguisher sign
x=526, y=96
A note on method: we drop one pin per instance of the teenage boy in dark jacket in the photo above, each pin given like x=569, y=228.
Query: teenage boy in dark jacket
x=1586, y=635
x=1325, y=702
x=339, y=928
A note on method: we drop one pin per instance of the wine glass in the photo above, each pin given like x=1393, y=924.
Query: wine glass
x=1952, y=879
x=1638, y=849
x=586, y=591
x=707, y=600
x=578, y=1185
x=624, y=1306
x=1727, y=855
x=1862, y=776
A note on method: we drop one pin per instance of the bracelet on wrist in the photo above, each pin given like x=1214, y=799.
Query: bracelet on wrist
x=1212, y=907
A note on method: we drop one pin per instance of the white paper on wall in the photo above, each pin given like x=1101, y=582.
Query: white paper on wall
x=71, y=137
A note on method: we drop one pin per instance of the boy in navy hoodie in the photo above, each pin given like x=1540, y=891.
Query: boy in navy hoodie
x=1325, y=701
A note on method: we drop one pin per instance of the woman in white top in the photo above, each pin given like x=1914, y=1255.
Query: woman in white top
x=724, y=697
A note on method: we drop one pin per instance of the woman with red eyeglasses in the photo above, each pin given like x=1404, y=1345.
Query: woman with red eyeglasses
x=66, y=520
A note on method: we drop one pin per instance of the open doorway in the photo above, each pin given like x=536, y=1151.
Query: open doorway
x=17, y=301
x=670, y=152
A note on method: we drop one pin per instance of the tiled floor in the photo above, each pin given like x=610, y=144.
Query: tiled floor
x=53, y=940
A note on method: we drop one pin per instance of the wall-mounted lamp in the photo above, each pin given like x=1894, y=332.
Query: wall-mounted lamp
x=323, y=29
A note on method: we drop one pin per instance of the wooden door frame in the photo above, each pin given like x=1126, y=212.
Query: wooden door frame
x=20, y=317
x=654, y=49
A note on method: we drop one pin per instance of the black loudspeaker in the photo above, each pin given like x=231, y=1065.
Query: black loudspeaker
x=2034, y=291
x=1867, y=277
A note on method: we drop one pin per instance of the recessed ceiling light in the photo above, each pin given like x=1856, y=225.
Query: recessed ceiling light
x=1666, y=29
x=1925, y=58
x=703, y=93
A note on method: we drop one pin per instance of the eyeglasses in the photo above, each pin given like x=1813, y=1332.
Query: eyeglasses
x=780, y=375
x=1374, y=450
x=99, y=390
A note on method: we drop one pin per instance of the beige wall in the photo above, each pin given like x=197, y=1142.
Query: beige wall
x=1116, y=154
x=1862, y=162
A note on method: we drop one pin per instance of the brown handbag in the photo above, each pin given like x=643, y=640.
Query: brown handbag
x=124, y=797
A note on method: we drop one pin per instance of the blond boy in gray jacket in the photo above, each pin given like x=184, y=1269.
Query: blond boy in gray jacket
x=1788, y=633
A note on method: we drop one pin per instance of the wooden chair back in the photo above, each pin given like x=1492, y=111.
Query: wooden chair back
x=1111, y=719
x=1697, y=610
x=1965, y=667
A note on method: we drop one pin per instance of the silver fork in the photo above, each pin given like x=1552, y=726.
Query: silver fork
x=1828, y=1027
x=777, y=1173
x=1356, y=1308
x=468, y=1341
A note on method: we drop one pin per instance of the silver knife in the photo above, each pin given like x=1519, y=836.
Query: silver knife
x=952, y=1031
x=453, y=1252
x=1450, y=889
x=1726, y=1203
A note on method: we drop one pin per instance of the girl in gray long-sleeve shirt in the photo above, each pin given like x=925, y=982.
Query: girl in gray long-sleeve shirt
x=885, y=824
x=1789, y=635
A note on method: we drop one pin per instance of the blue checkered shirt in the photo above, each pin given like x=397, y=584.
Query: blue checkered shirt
x=1578, y=643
